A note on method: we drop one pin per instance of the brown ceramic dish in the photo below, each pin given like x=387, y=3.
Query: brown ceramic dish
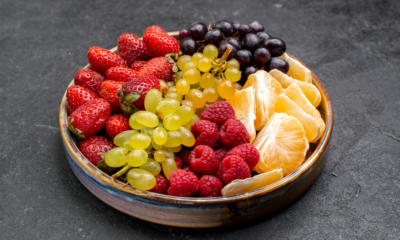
x=199, y=212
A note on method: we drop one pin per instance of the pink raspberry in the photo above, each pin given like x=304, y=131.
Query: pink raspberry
x=183, y=184
x=247, y=152
x=233, y=133
x=232, y=168
x=178, y=162
x=161, y=185
x=202, y=160
x=220, y=154
x=218, y=113
x=184, y=155
x=210, y=186
x=205, y=132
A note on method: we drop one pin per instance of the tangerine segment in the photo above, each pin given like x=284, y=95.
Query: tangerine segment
x=310, y=91
x=297, y=70
x=282, y=144
x=266, y=91
x=259, y=181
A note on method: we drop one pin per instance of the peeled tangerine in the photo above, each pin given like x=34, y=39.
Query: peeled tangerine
x=259, y=181
x=245, y=109
x=282, y=144
x=297, y=70
x=266, y=91
x=310, y=91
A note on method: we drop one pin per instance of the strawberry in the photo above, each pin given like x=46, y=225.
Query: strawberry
x=121, y=74
x=89, y=79
x=117, y=124
x=77, y=96
x=159, y=44
x=137, y=65
x=109, y=92
x=131, y=94
x=92, y=146
x=154, y=29
x=101, y=59
x=89, y=118
x=158, y=67
x=131, y=48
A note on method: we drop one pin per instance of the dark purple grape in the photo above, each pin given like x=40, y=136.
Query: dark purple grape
x=261, y=56
x=236, y=26
x=244, y=29
x=184, y=33
x=246, y=73
x=263, y=36
x=225, y=27
x=277, y=63
x=235, y=42
x=222, y=48
x=244, y=57
x=188, y=46
x=197, y=31
x=198, y=23
x=256, y=26
x=252, y=42
x=275, y=46
x=214, y=37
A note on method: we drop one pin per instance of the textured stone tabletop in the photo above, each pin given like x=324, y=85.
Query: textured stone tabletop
x=353, y=46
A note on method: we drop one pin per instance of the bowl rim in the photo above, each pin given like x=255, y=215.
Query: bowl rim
x=107, y=180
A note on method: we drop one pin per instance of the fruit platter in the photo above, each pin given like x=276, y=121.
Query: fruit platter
x=213, y=125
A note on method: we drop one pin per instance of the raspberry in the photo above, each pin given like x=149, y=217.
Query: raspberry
x=178, y=162
x=232, y=168
x=202, y=160
x=161, y=185
x=220, y=154
x=205, y=132
x=233, y=133
x=189, y=169
x=219, y=113
x=183, y=184
x=247, y=152
x=184, y=156
x=210, y=186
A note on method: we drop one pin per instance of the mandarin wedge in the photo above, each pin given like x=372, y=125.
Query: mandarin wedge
x=297, y=70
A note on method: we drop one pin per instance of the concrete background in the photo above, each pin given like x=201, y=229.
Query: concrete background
x=353, y=46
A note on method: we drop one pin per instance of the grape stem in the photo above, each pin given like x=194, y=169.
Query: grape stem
x=121, y=172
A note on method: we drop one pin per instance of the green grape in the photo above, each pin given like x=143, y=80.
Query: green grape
x=210, y=51
x=133, y=123
x=174, y=139
x=174, y=95
x=170, y=84
x=172, y=122
x=182, y=86
x=137, y=157
x=127, y=145
x=153, y=97
x=168, y=152
x=147, y=119
x=185, y=112
x=152, y=167
x=116, y=157
x=140, y=141
x=172, y=89
x=175, y=149
x=194, y=119
x=196, y=57
x=187, y=136
x=160, y=136
x=233, y=74
x=192, y=75
x=204, y=64
x=156, y=146
x=197, y=97
x=182, y=60
x=167, y=106
x=179, y=75
x=168, y=166
x=232, y=63
x=207, y=80
x=141, y=179
x=147, y=130
x=211, y=94
x=122, y=137
x=217, y=81
x=159, y=155
x=226, y=89
x=189, y=65
x=188, y=103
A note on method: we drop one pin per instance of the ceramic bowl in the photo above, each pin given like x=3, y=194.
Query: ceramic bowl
x=199, y=212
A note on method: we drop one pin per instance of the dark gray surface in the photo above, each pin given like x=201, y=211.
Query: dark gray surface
x=353, y=46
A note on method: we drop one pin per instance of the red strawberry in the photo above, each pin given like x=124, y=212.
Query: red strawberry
x=92, y=146
x=154, y=29
x=89, y=118
x=122, y=74
x=137, y=65
x=109, y=92
x=89, y=79
x=159, y=44
x=117, y=124
x=101, y=59
x=158, y=67
x=77, y=96
x=131, y=48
